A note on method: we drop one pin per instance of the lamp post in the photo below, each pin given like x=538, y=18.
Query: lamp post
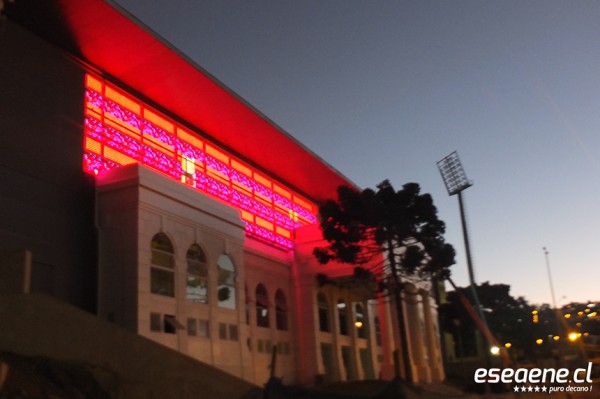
x=561, y=325
x=550, y=278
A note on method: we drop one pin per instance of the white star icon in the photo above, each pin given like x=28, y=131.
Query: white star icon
x=537, y=389
x=523, y=389
x=544, y=389
x=516, y=388
x=530, y=389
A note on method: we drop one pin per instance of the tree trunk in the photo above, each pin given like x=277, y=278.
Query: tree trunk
x=400, y=311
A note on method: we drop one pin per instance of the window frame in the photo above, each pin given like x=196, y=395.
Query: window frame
x=343, y=317
x=225, y=265
x=261, y=297
x=323, y=311
x=200, y=275
x=162, y=275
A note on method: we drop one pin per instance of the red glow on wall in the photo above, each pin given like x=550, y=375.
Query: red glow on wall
x=121, y=130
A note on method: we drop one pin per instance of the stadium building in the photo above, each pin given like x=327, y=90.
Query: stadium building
x=136, y=186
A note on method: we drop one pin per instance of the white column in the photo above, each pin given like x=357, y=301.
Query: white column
x=436, y=365
x=418, y=342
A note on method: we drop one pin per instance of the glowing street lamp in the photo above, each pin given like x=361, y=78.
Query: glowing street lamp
x=573, y=336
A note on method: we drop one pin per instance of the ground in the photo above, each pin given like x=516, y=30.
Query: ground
x=44, y=378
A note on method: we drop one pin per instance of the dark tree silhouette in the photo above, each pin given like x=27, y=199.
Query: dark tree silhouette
x=391, y=234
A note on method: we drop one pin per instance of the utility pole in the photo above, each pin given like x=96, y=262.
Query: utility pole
x=560, y=322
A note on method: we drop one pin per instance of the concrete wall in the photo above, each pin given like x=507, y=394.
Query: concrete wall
x=37, y=325
x=134, y=204
x=46, y=201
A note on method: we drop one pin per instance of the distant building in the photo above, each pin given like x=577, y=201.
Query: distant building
x=150, y=194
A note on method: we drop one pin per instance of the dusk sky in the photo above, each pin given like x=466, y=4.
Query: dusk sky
x=385, y=89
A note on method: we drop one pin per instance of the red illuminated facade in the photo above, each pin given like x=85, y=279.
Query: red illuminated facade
x=121, y=130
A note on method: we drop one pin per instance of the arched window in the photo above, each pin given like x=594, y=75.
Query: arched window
x=360, y=321
x=226, y=282
x=377, y=330
x=197, y=275
x=162, y=270
x=323, y=309
x=342, y=316
x=281, y=317
x=262, y=306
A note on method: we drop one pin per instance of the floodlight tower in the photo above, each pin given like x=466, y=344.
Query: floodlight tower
x=456, y=182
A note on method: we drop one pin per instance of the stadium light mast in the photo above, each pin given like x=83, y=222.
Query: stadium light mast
x=456, y=182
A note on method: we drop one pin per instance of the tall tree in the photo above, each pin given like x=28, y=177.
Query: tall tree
x=397, y=233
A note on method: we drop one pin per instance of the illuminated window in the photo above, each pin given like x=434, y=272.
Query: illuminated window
x=122, y=130
x=226, y=282
x=197, y=275
x=262, y=306
x=323, y=309
x=281, y=313
x=188, y=171
x=360, y=321
x=162, y=273
x=342, y=310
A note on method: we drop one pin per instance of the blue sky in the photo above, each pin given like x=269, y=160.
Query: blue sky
x=385, y=89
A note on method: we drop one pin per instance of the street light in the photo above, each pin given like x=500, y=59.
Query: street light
x=573, y=336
